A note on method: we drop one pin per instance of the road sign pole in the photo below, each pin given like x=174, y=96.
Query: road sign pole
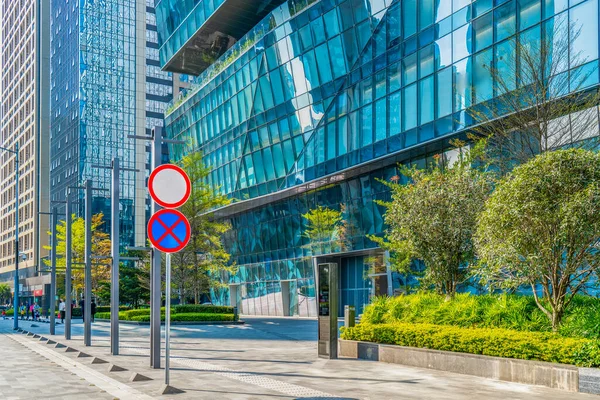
x=155, y=267
x=167, y=318
x=68, y=300
x=115, y=244
x=53, y=274
x=87, y=312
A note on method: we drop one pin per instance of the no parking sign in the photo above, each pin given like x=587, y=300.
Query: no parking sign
x=169, y=230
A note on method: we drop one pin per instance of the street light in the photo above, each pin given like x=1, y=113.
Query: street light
x=16, y=296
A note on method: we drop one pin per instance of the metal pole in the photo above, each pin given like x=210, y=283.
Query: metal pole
x=53, y=274
x=16, y=295
x=155, y=268
x=167, y=317
x=115, y=244
x=68, y=289
x=87, y=328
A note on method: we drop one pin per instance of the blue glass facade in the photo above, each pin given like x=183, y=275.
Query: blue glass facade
x=94, y=101
x=321, y=97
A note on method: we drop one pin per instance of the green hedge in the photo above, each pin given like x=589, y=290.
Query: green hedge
x=189, y=317
x=505, y=311
x=203, y=309
x=103, y=309
x=507, y=343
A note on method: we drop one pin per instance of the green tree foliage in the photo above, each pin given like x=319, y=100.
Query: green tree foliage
x=199, y=267
x=432, y=219
x=541, y=228
x=325, y=230
x=5, y=292
x=100, y=247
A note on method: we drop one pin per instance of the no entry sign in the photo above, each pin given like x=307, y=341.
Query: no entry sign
x=169, y=231
x=169, y=186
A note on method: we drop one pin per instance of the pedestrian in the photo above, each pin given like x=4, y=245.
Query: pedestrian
x=32, y=311
x=27, y=306
x=4, y=314
x=61, y=310
x=82, y=306
x=36, y=312
x=93, y=306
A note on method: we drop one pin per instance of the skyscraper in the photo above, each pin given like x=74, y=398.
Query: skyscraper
x=98, y=96
x=300, y=104
x=24, y=121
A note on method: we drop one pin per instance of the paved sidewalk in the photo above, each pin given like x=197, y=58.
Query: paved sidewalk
x=270, y=358
x=27, y=375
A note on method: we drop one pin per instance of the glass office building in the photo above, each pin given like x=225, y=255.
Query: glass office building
x=98, y=99
x=304, y=103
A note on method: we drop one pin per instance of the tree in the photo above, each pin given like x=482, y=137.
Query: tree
x=100, y=247
x=433, y=218
x=5, y=292
x=204, y=264
x=540, y=104
x=541, y=228
x=325, y=230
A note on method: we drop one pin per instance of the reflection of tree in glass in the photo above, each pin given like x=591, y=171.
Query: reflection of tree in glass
x=326, y=230
x=542, y=101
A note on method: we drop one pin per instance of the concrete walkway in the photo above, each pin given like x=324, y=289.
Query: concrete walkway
x=272, y=358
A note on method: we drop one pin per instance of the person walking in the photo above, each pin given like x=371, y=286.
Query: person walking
x=61, y=310
x=93, y=306
x=32, y=311
x=36, y=312
x=27, y=307
x=82, y=306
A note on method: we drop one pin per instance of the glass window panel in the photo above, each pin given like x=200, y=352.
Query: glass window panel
x=324, y=66
x=410, y=107
x=367, y=125
x=380, y=120
x=409, y=14
x=444, y=92
x=505, y=21
x=342, y=136
x=484, y=32
x=482, y=76
x=442, y=10
x=461, y=42
x=426, y=99
x=552, y=7
x=394, y=77
x=443, y=47
x=584, y=20
x=425, y=13
x=409, y=69
x=395, y=111
x=462, y=82
x=506, y=67
x=529, y=13
x=426, y=60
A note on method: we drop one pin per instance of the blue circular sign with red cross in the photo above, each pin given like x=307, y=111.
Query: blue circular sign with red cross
x=169, y=231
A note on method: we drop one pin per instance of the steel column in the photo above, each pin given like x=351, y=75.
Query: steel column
x=17, y=255
x=53, y=274
x=68, y=252
x=115, y=244
x=155, y=267
x=167, y=317
x=87, y=312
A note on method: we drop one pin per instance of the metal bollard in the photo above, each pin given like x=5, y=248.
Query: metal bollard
x=236, y=316
x=349, y=316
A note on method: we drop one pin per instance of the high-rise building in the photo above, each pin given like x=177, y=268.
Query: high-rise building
x=299, y=104
x=98, y=98
x=24, y=121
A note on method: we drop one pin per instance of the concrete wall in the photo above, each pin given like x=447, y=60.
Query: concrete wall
x=556, y=376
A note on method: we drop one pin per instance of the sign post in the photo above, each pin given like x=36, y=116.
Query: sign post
x=169, y=232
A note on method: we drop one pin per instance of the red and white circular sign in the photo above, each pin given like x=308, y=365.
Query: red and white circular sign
x=169, y=186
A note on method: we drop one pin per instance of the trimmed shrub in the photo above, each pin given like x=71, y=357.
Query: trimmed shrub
x=518, y=312
x=188, y=317
x=103, y=315
x=10, y=312
x=103, y=309
x=506, y=343
x=203, y=309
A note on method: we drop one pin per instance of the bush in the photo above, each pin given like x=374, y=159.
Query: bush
x=103, y=315
x=507, y=311
x=203, y=309
x=76, y=312
x=189, y=317
x=507, y=343
x=103, y=309
x=10, y=312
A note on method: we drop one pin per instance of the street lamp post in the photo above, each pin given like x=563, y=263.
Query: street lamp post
x=16, y=295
